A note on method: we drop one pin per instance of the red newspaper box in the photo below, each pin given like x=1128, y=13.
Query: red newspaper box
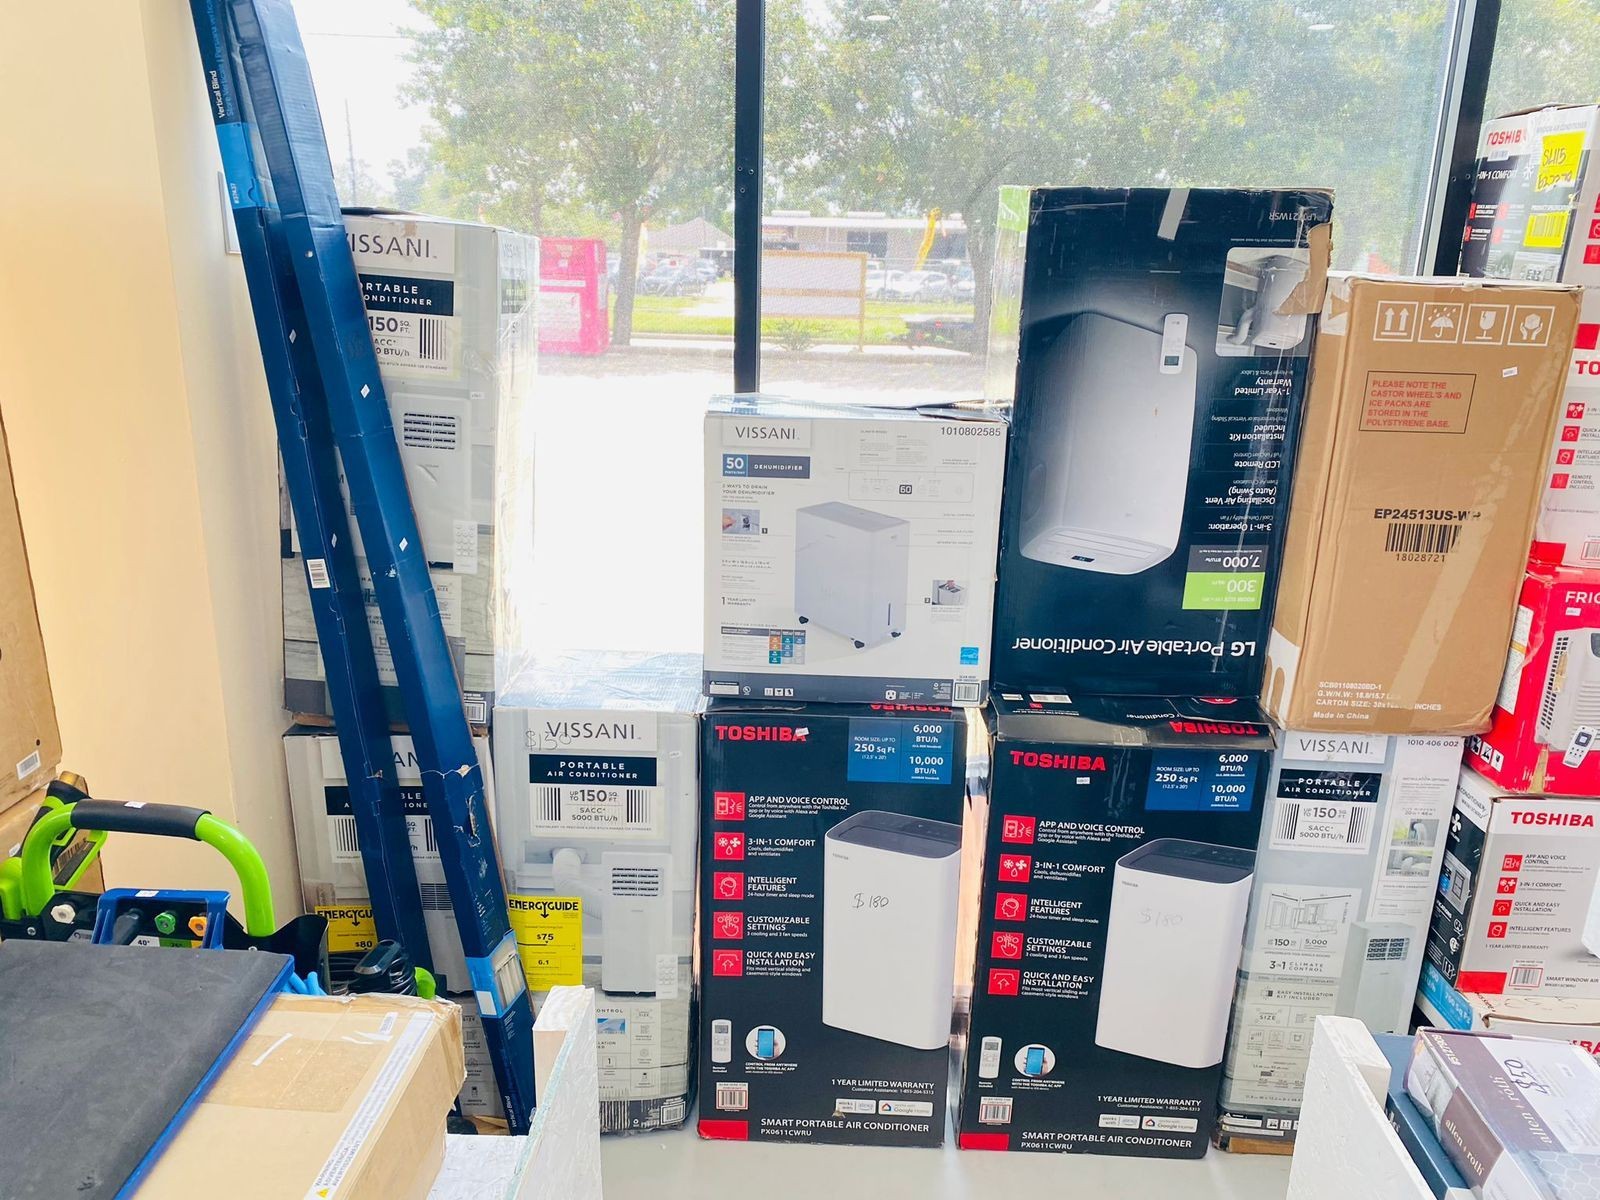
x=574, y=316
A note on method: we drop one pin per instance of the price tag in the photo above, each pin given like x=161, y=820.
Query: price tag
x=351, y=928
x=549, y=931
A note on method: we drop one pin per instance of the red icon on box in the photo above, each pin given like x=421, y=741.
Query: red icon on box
x=1018, y=829
x=727, y=962
x=1497, y=929
x=1496, y=234
x=727, y=846
x=727, y=925
x=1559, y=480
x=1005, y=943
x=1591, y=254
x=1594, y=230
x=1010, y=906
x=1507, y=886
x=727, y=806
x=1016, y=868
x=1564, y=457
x=1004, y=981
x=1575, y=409
x=1569, y=433
x=1502, y=908
x=727, y=885
x=1511, y=862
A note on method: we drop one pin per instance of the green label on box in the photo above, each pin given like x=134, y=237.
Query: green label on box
x=1223, y=589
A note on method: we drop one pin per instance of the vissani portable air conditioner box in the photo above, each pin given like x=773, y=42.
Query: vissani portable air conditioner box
x=830, y=883
x=1119, y=853
x=597, y=834
x=1544, y=735
x=1352, y=841
x=1151, y=346
x=850, y=551
x=452, y=312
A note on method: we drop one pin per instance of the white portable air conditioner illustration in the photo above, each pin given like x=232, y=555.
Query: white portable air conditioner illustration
x=1261, y=324
x=1571, y=696
x=1379, y=979
x=851, y=569
x=435, y=437
x=1108, y=455
x=1591, y=923
x=635, y=899
x=1173, y=941
x=890, y=888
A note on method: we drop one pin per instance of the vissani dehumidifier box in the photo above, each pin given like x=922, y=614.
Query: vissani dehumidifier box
x=1173, y=940
x=851, y=569
x=890, y=885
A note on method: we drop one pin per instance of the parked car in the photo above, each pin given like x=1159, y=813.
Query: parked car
x=874, y=283
x=965, y=286
x=706, y=269
x=671, y=280
x=919, y=285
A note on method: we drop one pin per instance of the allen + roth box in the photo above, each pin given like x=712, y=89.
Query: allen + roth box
x=1516, y=910
x=1535, y=215
x=598, y=802
x=829, y=890
x=30, y=742
x=850, y=551
x=1152, y=345
x=451, y=306
x=1432, y=404
x=343, y=1098
x=1117, y=865
x=1547, y=716
x=333, y=881
x=1352, y=837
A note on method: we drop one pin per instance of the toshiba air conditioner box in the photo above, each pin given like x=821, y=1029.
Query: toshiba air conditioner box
x=1562, y=1018
x=1151, y=345
x=332, y=879
x=1517, y=911
x=1546, y=724
x=1118, y=859
x=850, y=551
x=599, y=771
x=451, y=310
x=830, y=885
x=1352, y=837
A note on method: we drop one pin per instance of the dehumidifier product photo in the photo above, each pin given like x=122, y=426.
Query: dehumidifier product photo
x=1108, y=458
x=1173, y=940
x=851, y=571
x=890, y=886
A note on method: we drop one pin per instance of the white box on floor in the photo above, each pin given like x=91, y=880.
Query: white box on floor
x=850, y=551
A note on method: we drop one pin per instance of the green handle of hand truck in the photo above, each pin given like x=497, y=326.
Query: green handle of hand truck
x=161, y=820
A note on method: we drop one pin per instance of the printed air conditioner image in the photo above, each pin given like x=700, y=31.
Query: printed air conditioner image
x=890, y=888
x=1256, y=283
x=435, y=436
x=851, y=569
x=1173, y=941
x=1379, y=980
x=1591, y=923
x=1571, y=697
x=1108, y=456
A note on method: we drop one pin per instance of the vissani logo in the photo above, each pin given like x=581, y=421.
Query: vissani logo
x=389, y=245
x=766, y=433
x=591, y=731
x=1058, y=762
x=762, y=733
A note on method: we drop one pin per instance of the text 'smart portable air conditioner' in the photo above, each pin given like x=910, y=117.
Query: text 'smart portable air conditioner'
x=890, y=888
x=1108, y=454
x=1571, y=696
x=1379, y=978
x=1173, y=941
x=850, y=571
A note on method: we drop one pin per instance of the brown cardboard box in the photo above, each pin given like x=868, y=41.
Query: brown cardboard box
x=1421, y=463
x=30, y=743
x=15, y=823
x=334, y=1098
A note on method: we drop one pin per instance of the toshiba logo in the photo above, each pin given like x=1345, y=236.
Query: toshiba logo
x=1579, y=820
x=761, y=733
x=1232, y=728
x=1058, y=762
x=927, y=708
x=1504, y=137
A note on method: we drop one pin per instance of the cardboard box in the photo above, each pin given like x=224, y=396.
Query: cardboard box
x=30, y=742
x=1414, y=1129
x=599, y=787
x=829, y=887
x=1534, y=216
x=1516, y=907
x=1116, y=878
x=1432, y=405
x=1352, y=838
x=332, y=879
x=337, y=1098
x=1152, y=346
x=1542, y=736
x=1561, y=1018
x=850, y=551
x=451, y=305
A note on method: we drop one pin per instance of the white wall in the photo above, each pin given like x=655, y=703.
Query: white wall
x=140, y=431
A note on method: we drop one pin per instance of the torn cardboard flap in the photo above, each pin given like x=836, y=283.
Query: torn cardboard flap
x=1306, y=299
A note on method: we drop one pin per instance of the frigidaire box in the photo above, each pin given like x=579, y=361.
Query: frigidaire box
x=830, y=875
x=1117, y=866
x=1547, y=717
x=1516, y=910
x=1421, y=463
x=850, y=551
x=1352, y=837
x=598, y=801
x=451, y=306
x=1152, y=345
x=1535, y=215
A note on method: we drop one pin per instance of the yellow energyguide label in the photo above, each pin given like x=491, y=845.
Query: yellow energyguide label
x=549, y=931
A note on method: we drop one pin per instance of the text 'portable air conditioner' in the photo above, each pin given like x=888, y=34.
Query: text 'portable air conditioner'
x=851, y=569
x=1571, y=696
x=890, y=889
x=1108, y=460
x=1173, y=940
x=1378, y=982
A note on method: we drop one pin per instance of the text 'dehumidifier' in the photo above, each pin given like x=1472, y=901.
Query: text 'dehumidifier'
x=851, y=568
x=890, y=891
x=1173, y=941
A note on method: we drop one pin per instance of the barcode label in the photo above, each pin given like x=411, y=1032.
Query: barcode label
x=477, y=711
x=995, y=1111
x=342, y=839
x=616, y=810
x=433, y=340
x=1343, y=825
x=673, y=1112
x=966, y=693
x=1421, y=537
x=1527, y=976
x=733, y=1097
x=29, y=765
x=317, y=572
x=1547, y=230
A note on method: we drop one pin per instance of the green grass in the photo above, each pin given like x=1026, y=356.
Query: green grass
x=885, y=324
